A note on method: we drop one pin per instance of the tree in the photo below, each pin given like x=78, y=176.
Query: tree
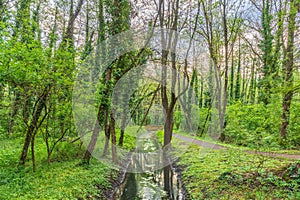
x=62, y=59
x=216, y=19
x=289, y=67
x=266, y=47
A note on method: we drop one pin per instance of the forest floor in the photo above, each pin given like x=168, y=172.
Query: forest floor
x=218, y=146
x=64, y=178
x=214, y=171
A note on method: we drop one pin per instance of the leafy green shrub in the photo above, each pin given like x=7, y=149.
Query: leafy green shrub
x=259, y=125
x=177, y=119
x=294, y=126
x=66, y=151
x=160, y=136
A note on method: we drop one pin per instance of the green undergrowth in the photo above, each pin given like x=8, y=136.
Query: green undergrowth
x=130, y=134
x=64, y=178
x=129, y=138
x=233, y=174
x=160, y=136
x=258, y=126
x=233, y=146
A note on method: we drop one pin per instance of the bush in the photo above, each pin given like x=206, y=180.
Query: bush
x=259, y=125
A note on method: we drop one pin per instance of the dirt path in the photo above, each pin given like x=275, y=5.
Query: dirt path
x=217, y=147
x=199, y=142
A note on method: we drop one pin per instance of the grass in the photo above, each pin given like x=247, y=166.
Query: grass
x=63, y=179
x=233, y=174
x=208, y=174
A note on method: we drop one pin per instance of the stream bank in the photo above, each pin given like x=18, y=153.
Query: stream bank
x=145, y=176
x=151, y=185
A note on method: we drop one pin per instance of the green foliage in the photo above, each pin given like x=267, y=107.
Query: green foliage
x=233, y=174
x=203, y=125
x=58, y=181
x=160, y=136
x=177, y=119
x=64, y=179
x=129, y=137
x=66, y=151
x=257, y=126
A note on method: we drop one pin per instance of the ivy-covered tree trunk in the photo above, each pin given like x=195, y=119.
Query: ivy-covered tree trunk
x=252, y=89
x=112, y=127
x=288, y=73
x=201, y=93
x=102, y=115
x=266, y=47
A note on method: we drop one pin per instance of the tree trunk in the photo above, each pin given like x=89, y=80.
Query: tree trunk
x=238, y=75
x=201, y=94
x=33, y=153
x=102, y=109
x=113, y=139
x=267, y=56
x=288, y=95
x=223, y=115
x=107, y=133
x=32, y=127
x=232, y=77
x=121, y=138
x=93, y=141
x=252, y=88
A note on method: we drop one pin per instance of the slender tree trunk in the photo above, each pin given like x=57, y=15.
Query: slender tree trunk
x=244, y=91
x=33, y=152
x=288, y=95
x=238, y=75
x=102, y=109
x=251, y=97
x=201, y=94
x=93, y=141
x=232, y=77
x=123, y=120
x=107, y=133
x=32, y=127
x=223, y=116
x=113, y=139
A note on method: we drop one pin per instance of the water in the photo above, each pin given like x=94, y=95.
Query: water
x=147, y=177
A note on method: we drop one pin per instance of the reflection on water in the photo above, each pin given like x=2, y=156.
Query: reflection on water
x=153, y=183
x=149, y=186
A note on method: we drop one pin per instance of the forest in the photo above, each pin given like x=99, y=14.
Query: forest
x=149, y=99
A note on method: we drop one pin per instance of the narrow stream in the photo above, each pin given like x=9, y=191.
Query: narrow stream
x=145, y=179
